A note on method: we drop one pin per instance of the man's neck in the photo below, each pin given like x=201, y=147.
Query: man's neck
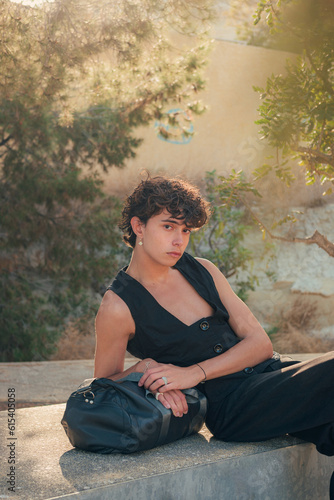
x=148, y=272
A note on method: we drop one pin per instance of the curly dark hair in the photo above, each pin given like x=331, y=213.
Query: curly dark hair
x=181, y=199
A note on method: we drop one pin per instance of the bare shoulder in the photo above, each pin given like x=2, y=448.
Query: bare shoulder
x=113, y=310
x=221, y=282
x=207, y=264
x=212, y=268
x=113, y=304
x=114, y=326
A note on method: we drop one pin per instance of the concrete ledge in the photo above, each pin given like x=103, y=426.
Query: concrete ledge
x=51, y=382
x=45, y=382
x=195, y=468
x=198, y=467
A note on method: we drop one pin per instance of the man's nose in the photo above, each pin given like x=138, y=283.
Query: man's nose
x=178, y=240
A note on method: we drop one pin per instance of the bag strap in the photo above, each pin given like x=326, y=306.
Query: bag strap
x=203, y=402
x=166, y=417
x=165, y=412
x=133, y=377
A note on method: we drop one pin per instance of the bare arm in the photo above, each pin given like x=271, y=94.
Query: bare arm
x=255, y=345
x=114, y=325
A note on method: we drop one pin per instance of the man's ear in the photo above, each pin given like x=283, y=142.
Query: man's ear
x=137, y=226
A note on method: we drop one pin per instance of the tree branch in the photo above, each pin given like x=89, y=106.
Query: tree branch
x=316, y=154
x=316, y=238
x=211, y=235
x=321, y=134
x=4, y=141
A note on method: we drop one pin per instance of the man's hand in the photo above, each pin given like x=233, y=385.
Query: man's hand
x=175, y=400
x=168, y=380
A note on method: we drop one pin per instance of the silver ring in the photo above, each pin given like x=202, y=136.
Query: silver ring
x=165, y=380
x=157, y=394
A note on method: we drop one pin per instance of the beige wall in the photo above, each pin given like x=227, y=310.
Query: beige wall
x=225, y=136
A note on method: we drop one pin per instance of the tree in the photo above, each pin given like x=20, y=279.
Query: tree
x=297, y=110
x=297, y=113
x=244, y=16
x=76, y=81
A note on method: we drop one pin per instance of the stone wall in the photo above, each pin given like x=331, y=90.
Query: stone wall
x=292, y=271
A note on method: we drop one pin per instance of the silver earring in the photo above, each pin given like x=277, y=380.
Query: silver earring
x=140, y=242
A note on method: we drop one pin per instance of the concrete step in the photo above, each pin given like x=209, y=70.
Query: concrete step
x=45, y=382
x=194, y=468
x=51, y=382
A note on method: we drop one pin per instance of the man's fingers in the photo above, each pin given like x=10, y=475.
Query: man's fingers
x=153, y=383
x=151, y=375
x=176, y=401
x=181, y=401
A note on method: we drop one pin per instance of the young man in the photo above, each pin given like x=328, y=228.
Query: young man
x=180, y=316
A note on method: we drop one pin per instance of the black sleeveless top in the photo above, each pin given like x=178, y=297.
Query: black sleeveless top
x=162, y=336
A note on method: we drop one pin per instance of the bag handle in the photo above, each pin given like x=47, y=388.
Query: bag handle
x=203, y=402
x=165, y=412
x=192, y=392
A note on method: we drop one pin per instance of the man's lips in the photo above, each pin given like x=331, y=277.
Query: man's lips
x=174, y=254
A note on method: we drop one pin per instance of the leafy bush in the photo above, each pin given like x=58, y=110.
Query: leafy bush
x=221, y=241
x=54, y=280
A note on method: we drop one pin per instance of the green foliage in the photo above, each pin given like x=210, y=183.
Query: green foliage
x=49, y=277
x=34, y=312
x=76, y=80
x=234, y=190
x=22, y=321
x=231, y=188
x=246, y=16
x=272, y=330
x=297, y=112
x=288, y=218
x=221, y=241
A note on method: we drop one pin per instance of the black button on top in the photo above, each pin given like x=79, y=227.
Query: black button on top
x=204, y=325
x=218, y=348
x=248, y=370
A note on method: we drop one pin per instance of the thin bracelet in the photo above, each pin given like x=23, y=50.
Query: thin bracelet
x=202, y=371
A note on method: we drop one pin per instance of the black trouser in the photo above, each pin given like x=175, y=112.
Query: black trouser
x=289, y=397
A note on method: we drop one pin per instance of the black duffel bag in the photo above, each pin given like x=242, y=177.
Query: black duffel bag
x=107, y=416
